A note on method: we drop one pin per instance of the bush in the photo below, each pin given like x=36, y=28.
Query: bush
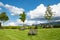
x=11, y=27
x=56, y=26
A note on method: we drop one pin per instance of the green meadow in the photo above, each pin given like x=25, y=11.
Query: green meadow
x=42, y=34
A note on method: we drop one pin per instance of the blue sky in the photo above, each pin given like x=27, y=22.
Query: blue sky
x=27, y=5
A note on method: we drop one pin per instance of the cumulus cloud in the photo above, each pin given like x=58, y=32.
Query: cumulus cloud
x=19, y=22
x=1, y=4
x=12, y=24
x=56, y=9
x=39, y=11
x=13, y=9
x=28, y=22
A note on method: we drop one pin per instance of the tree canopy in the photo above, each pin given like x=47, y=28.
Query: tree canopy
x=3, y=17
x=23, y=17
x=48, y=13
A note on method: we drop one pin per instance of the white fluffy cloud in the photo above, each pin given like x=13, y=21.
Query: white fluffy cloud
x=13, y=9
x=28, y=22
x=56, y=9
x=19, y=22
x=12, y=24
x=1, y=4
x=9, y=23
x=39, y=11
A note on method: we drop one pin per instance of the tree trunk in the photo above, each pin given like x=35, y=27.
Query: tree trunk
x=0, y=25
x=49, y=24
x=23, y=27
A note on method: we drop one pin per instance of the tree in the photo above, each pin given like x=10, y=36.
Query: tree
x=49, y=14
x=23, y=18
x=3, y=18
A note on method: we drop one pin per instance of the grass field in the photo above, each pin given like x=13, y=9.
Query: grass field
x=43, y=34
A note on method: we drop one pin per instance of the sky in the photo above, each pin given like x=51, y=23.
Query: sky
x=34, y=9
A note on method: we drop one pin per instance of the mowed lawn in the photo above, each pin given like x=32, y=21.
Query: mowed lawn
x=43, y=34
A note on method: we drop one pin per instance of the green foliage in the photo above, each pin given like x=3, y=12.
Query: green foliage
x=23, y=17
x=11, y=27
x=56, y=26
x=48, y=13
x=3, y=17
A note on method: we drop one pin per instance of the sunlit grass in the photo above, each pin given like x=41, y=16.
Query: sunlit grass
x=43, y=34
